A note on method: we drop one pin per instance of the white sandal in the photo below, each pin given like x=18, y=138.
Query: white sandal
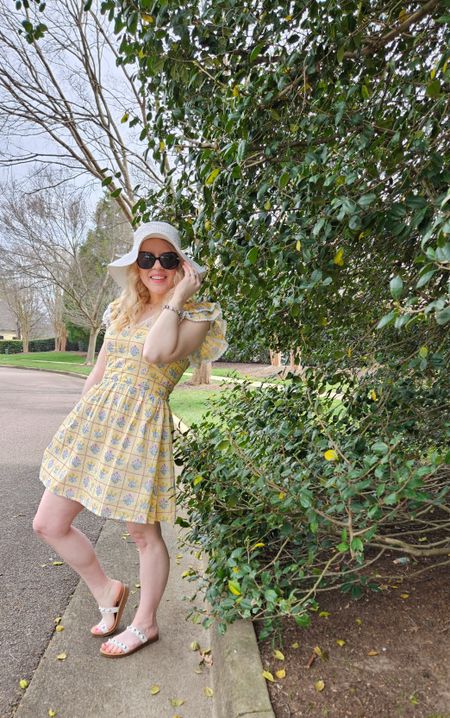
x=105, y=630
x=126, y=650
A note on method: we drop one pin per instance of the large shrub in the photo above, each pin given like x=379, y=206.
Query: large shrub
x=298, y=488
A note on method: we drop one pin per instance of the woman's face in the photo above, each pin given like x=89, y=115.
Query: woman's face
x=157, y=279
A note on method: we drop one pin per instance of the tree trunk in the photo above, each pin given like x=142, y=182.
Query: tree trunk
x=275, y=358
x=61, y=338
x=90, y=357
x=202, y=375
x=25, y=342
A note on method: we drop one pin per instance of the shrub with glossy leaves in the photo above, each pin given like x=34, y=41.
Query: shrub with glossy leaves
x=296, y=488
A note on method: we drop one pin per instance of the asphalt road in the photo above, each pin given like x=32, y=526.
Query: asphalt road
x=32, y=591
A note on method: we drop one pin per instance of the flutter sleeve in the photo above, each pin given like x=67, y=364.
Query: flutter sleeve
x=214, y=344
x=107, y=318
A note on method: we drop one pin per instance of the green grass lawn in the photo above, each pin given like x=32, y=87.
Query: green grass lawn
x=52, y=361
x=189, y=405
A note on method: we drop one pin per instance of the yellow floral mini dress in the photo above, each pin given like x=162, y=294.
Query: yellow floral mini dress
x=113, y=452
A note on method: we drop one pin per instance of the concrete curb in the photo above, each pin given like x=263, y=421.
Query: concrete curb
x=239, y=687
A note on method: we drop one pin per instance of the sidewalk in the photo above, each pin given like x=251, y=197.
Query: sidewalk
x=87, y=685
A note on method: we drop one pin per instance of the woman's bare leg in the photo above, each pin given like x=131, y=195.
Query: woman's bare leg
x=154, y=566
x=53, y=524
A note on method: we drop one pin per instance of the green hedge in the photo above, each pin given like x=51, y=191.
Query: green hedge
x=15, y=346
x=10, y=346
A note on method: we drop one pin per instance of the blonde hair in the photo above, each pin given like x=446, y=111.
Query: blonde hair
x=133, y=300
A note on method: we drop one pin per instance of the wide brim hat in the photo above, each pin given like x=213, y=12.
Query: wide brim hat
x=163, y=230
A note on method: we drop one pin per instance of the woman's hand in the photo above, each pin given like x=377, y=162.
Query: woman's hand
x=187, y=286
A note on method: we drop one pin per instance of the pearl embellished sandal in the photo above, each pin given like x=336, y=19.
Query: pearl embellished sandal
x=126, y=650
x=103, y=629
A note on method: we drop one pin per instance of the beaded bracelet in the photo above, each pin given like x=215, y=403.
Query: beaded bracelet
x=180, y=312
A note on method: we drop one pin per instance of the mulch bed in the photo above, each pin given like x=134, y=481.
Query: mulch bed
x=395, y=662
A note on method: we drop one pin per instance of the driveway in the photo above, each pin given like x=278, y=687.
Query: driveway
x=33, y=592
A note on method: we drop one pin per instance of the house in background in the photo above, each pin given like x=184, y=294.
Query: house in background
x=8, y=324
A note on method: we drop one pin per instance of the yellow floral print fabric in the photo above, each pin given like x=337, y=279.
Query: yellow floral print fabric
x=113, y=452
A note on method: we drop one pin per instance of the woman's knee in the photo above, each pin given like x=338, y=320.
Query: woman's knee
x=49, y=528
x=145, y=535
x=54, y=516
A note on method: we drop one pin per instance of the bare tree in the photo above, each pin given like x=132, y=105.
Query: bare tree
x=65, y=98
x=23, y=300
x=46, y=237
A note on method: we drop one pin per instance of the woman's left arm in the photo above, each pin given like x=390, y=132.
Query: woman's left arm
x=168, y=339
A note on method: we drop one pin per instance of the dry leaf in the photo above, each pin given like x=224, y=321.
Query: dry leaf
x=322, y=654
x=373, y=653
x=404, y=595
x=61, y=656
x=281, y=673
x=57, y=563
x=295, y=645
x=59, y=628
x=23, y=683
x=279, y=655
x=340, y=642
x=324, y=614
x=58, y=619
x=208, y=691
x=175, y=702
x=195, y=646
x=358, y=621
x=51, y=713
x=268, y=676
x=319, y=685
x=154, y=689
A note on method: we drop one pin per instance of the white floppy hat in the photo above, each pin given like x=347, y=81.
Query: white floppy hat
x=163, y=230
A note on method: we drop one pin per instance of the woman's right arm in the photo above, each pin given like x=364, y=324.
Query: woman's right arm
x=97, y=372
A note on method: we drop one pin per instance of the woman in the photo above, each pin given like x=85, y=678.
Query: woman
x=113, y=452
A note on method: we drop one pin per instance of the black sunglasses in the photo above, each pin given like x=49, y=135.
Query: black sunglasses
x=167, y=260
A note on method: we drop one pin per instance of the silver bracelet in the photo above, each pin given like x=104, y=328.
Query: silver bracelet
x=180, y=312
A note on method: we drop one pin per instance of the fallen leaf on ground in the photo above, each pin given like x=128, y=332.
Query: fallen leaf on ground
x=281, y=673
x=322, y=654
x=175, y=702
x=195, y=646
x=268, y=676
x=340, y=642
x=61, y=656
x=51, y=713
x=296, y=644
x=373, y=653
x=324, y=614
x=358, y=621
x=404, y=595
x=57, y=563
x=319, y=685
x=59, y=628
x=278, y=654
x=208, y=691
x=23, y=683
x=57, y=619
x=154, y=689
